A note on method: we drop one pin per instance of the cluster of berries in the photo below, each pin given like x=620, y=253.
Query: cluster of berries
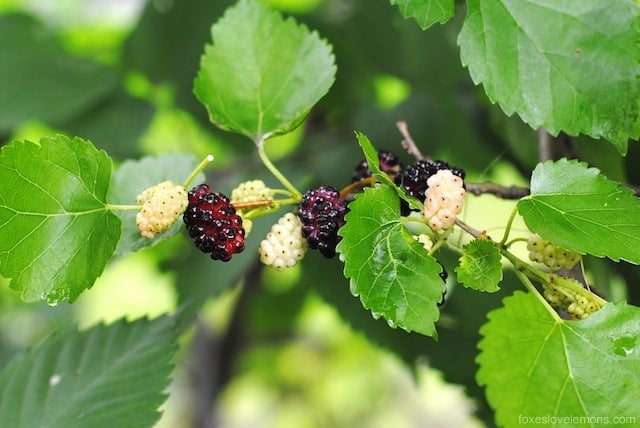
x=574, y=304
x=414, y=178
x=388, y=163
x=545, y=252
x=444, y=198
x=435, y=183
x=246, y=193
x=322, y=212
x=284, y=246
x=213, y=224
x=218, y=228
x=162, y=205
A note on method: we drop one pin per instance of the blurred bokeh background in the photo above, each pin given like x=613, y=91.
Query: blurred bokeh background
x=262, y=348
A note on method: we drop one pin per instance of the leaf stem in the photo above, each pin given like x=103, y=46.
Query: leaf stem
x=533, y=290
x=295, y=193
x=507, y=229
x=206, y=161
x=118, y=207
x=551, y=279
x=356, y=186
x=514, y=240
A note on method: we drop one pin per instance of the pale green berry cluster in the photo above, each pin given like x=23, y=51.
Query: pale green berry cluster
x=443, y=199
x=247, y=192
x=251, y=191
x=545, y=252
x=575, y=304
x=284, y=245
x=162, y=205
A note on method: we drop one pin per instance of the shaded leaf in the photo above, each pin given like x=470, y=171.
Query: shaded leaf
x=388, y=269
x=104, y=377
x=561, y=66
x=262, y=74
x=480, y=266
x=426, y=12
x=578, y=209
x=58, y=84
x=534, y=364
x=56, y=232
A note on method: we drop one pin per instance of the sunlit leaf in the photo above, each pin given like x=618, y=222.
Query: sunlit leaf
x=389, y=270
x=535, y=365
x=56, y=232
x=578, y=209
x=561, y=65
x=263, y=73
x=108, y=376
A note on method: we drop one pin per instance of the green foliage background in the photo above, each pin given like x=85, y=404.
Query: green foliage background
x=283, y=340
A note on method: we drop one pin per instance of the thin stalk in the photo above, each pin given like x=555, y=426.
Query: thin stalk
x=513, y=241
x=117, y=207
x=507, y=229
x=206, y=161
x=532, y=289
x=281, y=178
x=545, y=278
x=356, y=186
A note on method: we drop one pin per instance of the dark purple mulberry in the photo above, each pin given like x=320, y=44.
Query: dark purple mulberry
x=213, y=224
x=322, y=213
x=388, y=162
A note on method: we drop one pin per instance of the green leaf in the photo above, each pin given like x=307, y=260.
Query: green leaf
x=131, y=178
x=535, y=365
x=390, y=271
x=480, y=266
x=559, y=65
x=371, y=156
x=262, y=74
x=578, y=209
x=426, y=12
x=56, y=232
x=107, y=376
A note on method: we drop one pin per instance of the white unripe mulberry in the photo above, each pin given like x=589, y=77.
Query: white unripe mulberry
x=443, y=199
x=284, y=245
x=251, y=191
x=162, y=205
x=545, y=252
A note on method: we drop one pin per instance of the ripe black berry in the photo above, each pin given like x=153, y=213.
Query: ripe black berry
x=322, y=213
x=414, y=177
x=388, y=162
x=213, y=223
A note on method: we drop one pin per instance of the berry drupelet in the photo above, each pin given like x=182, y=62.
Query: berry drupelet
x=322, y=212
x=213, y=224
